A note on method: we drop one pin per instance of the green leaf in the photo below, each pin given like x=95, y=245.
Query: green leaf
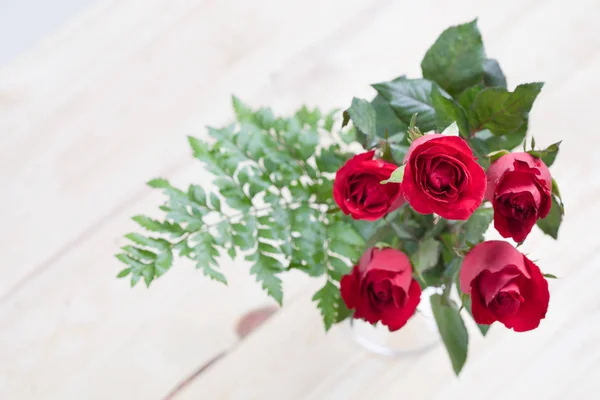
x=388, y=123
x=242, y=110
x=199, y=147
x=427, y=255
x=550, y=276
x=330, y=303
x=124, y=273
x=452, y=330
x=396, y=177
x=344, y=232
x=495, y=155
x=148, y=242
x=548, y=155
x=551, y=223
x=456, y=60
x=501, y=111
x=467, y=96
x=139, y=254
x=157, y=226
x=265, y=270
x=448, y=112
x=411, y=96
x=215, y=202
x=451, y=130
x=338, y=268
x=476, y=226
x=492, y=74
x=363, y=116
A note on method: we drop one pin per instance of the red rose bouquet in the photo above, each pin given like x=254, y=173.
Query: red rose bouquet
x=381, y=224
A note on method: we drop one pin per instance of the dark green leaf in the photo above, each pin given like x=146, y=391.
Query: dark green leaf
x=449, y=111
x=338, y=268
x=476, y=226
x=501, y=111
x=452, y=330
x=456, y=60
x=363, y=116
x=551, y=223
x=331, y=305
x=492, y=74
x=387, y=120
x=411, y=96
x=427, y=255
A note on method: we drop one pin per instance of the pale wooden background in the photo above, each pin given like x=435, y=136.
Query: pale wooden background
x=105, y=103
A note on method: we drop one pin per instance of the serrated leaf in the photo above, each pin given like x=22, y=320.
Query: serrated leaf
x=547, y=155
x=213, y=274
x=200, y=148
x=503, y=112
x=164, y=260
x=449, y=112
x=452, y=330
x=551, y=224
x=456, y=60
x=148, y=242
x=343, y=232
x=242, y=110
x=157, y=226
x=411, y=96
x=330, y=303
x=492, y=74
x=139, y=254
x=396, y=177
x=476, y=226
x=265, y=270
x=363, y=116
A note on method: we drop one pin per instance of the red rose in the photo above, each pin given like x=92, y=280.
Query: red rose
x=357, y=189
x=519, y=187
x=381, y=288
x=505, y=286
x=442, y=176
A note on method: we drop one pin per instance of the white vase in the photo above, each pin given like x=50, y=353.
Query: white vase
x=419, y=335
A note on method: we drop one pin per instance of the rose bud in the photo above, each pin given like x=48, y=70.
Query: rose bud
x=357, y=189
x=505, y=286
x=381, y=288
x=519, y=187
x=442, y=176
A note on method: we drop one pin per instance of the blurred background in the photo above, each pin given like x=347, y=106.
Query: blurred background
x=97, y=96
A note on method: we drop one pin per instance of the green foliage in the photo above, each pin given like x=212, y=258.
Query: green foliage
x=547, y=155
x=396, y=176
x=272, y=205
x=493, y=75
x=503, y=112
x=456, y=60
x=427, y=255
x=448, y=111
x=407, y=97
x=452, y=330
x=330, y=303
x=551, y=224
x=363, y=116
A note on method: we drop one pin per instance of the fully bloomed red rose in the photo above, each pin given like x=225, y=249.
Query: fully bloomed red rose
x=357, y=189
x=381, y=288
x=442, y=176
x=505, y=286
x=519, y=187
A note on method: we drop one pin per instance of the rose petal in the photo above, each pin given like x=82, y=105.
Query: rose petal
x=492, y=256
x=395, y=318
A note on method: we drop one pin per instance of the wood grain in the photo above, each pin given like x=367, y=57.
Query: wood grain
x=105, y=104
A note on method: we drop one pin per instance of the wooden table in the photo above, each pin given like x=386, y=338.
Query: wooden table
x=106, y=103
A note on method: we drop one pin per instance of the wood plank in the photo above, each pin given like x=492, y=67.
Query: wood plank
x=73, y=331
